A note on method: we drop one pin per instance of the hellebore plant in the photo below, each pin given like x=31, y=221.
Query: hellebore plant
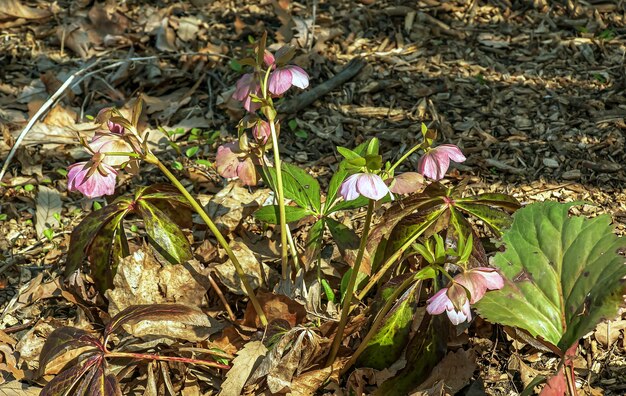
x=96, y=177
x=271, y=77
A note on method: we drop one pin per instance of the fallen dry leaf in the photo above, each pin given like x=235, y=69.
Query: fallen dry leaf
x=234, y=203
x=140, y=279
x=10, y=9
x=275, y=306
x=247, y=359
x=608, y=332
x=17, y=388
x=48, y=206
x=455, y=370
x=527, y=373
x=258, y=273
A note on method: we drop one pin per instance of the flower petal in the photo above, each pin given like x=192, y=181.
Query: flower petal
x=299, y=77
x=279, y=81
x=371, y=186
x=348, y=188
x=453, y=152
x=439, y=302
x=226, y=160
x=406, y=183
x=95, y=185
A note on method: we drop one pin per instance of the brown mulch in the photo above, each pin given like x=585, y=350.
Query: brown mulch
x=533, y=93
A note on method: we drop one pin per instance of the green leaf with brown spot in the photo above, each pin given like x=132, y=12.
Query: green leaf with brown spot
x=163, y=234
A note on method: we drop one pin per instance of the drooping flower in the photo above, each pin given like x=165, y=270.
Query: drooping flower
x=435, y=162
x=467, y=288
x=442, y=301
x=367, y=184
x=247, y=85
x=283, y=78
x=232, y=162
x=92, y=178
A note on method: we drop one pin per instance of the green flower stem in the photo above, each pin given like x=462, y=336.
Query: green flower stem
x=390, y=261
x=281, y=203
x=149, y=356
x=377, y=322
x=150, y=158
x=345, y=311
x=121, y=154
x=405, y=156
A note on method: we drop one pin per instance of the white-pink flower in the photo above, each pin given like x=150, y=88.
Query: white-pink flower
x=367, y=184
x=247, y=85
x=467, y=288
x=111, y=143
x=93, y=179
x=283, y=78
x=435, y=163
x=232, y=162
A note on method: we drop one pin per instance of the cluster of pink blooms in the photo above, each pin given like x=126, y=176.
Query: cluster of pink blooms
x=97, y=177
x=454, y=300
x=434, y=164
x=233, y=161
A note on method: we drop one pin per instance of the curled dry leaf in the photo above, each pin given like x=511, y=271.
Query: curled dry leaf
x=12, y=9
x=140, y=279
x=455, y=370
x=247, y=359
x=234, y=203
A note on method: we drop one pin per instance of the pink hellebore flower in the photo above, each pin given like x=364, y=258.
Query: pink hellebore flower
x=405, y=183
x=92, y=178
x=454, y=299
x=232, y=162
x=435, y=162
x=283, y=78
x=367, y=184
x=247, y=85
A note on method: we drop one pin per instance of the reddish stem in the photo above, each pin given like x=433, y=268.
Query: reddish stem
x=148, y=356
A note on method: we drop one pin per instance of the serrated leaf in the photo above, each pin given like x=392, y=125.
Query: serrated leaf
x=390, y=340
x=562, y=273
x=165, y=236
x=333, y=188
x=86, y=231
x=298, y=185
x=503, y=201
x=138, y=313
x=270, y=214
x=48, y=205
x=62, y=340
x=314, y=240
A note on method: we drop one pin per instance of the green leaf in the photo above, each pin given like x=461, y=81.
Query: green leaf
x=333, y=188
x=86, y=231
x=497, y=220
x=314, y=240
x=360, y=281
x=206, y=163
x=293, y=124
x=3, y=217
x=97, y=205
x=330, y=294
x=48, y=233
x=29, y=187
x=235, y=65
x=298, y=185
x=269, y=214
x=348, y=154
x=302, y=134
x=191, y=151
x=389, y=342
x=164, y=235
x=177, y=165
x=99, y=253
x=503, y=201
x=562, y=273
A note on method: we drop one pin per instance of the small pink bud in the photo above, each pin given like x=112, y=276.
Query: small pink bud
x=434, y=164
x=262, y=131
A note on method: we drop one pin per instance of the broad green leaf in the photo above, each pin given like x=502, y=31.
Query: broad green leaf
x=563, y=274
x=86, y=231
x=269, y=214
x=298, y=185
x=328, y=291
x=99, y=253
x=137, y=313
x=389, y=342
x=496, y=219
x=333, y=188
x=164, y=234
x=62, y=340
x=347, y=153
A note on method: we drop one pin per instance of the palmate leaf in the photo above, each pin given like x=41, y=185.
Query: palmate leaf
x=101, y=255
x=136, y=313
x=165, y=236
x=298, y=186
x=62, y=340
x=562, y=273
x=66, y=380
